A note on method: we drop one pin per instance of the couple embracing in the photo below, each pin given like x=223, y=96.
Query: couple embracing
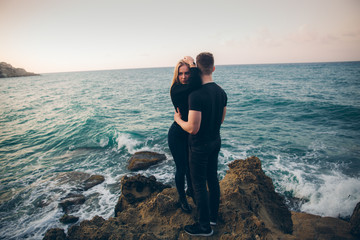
x=194, y=138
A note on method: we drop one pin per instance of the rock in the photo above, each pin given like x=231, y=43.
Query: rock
x=66, y=219
x=86, y=230
x=93, y=181
x=79, y=180
x=140, y=220
x=143, y=160
x=70, y=200
x=55, y=234
x=73, y=178
x=249, y=209
x=249, y=190
x=308, y=226
x=136, y=189
x=6, y=70
x=355, y=221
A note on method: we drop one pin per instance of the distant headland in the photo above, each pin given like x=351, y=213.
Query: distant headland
x=6, y=70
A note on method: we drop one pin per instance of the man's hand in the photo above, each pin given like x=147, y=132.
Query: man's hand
x=192, y=126
x=189, y=60
x=177, y=115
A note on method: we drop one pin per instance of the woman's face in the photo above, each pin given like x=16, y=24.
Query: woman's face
x=184, y=74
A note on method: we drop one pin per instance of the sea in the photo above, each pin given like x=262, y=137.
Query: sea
x=302, y=120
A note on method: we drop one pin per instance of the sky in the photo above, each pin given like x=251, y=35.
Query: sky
x=46, y=36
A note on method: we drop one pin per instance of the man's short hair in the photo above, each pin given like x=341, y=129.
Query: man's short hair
x=205, y=62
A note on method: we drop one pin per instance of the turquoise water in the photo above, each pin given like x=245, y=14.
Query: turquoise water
x=301, y=120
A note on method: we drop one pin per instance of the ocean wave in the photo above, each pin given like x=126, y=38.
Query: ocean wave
x=324, y=192
x=336, y=196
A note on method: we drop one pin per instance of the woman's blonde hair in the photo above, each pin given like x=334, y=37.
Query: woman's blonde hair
x=176, y=71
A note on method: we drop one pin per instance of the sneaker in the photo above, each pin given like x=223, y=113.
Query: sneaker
x=213, y=223
x=197, y=230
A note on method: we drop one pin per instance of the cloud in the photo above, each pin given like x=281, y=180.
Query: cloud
x=261, y=38
x=265, y=37
x=329, y=39
x=304, y=34
x=355, y=34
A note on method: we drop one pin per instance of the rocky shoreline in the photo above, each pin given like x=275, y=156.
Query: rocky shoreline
x=249, y=209
x=7, y=71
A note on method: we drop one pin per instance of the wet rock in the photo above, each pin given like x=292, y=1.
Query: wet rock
x=67, y=219
x=143, y=160
x=79, y=180
x=70, y=200
x=55, y=234
x=355, y=221
x=93, y=181
x=73, y=178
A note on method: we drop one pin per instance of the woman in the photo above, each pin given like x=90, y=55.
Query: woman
x=186, y=79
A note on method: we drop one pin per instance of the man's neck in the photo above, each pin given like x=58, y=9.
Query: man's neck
x=206, y=79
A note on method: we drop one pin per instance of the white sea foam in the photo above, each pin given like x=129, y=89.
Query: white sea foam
x=99, y=201
x=104, y=142
x=33, y=224
x=124, y=140
x=226, y=156
x=337, y=196
x=327, y=194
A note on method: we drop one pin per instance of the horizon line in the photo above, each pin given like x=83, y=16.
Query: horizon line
x=231, y=64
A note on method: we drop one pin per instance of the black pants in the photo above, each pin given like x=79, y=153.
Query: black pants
x=203, y=169
x=179, y=147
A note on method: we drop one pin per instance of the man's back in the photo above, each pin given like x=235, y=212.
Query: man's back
x=210, y=100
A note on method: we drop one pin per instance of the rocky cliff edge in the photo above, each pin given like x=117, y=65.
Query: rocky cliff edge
x=249, y=209
x=6, y=70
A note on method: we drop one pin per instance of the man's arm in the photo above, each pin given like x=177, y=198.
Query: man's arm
x=192, y=126
x=223, y=116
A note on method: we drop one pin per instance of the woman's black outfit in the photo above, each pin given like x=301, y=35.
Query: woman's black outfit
x=178, y=138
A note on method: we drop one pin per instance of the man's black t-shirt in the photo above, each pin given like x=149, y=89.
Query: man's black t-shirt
x=210, y=100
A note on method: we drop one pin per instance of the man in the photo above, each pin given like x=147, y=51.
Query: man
x=207, y=109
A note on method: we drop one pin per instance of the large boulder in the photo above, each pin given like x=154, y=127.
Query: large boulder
x=136, y=189
x=144, y=159
x=250, y=197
